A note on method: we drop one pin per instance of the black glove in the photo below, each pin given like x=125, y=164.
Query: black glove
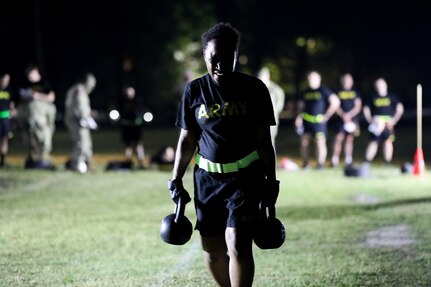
x=270, y=193
x=178, y=191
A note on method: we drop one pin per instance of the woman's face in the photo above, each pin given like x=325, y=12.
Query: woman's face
x=220, y=60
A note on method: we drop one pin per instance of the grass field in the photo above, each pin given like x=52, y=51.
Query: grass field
x=102, y=228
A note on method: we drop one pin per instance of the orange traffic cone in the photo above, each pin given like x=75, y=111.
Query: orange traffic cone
x=419, y=164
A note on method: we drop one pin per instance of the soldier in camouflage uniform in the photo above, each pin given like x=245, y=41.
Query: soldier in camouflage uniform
x=36, y=115
x=79, y=122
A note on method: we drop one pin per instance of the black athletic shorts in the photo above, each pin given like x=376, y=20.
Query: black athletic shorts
x=385, y=135
x=227, y=200
x=316, y=129
x=5, y=127
x=131, y=135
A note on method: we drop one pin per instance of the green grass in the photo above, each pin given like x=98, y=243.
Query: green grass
x=102, y=229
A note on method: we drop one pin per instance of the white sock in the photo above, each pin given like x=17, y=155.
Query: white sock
x=335, y=160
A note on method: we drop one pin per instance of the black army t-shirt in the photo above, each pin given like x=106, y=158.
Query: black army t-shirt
x=42, y=86
x=226, y=116
x=5, y=99
x=316, y=100
x=347, y=99
x=383, y=106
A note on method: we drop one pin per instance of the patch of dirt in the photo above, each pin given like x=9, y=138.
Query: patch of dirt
x=4, y=183
x=366, y=199
x=396, y=236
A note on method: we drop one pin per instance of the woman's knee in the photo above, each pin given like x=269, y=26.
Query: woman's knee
x=238, y=243
x=214, y=249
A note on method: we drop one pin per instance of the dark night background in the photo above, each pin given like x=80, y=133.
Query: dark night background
x=68, y=38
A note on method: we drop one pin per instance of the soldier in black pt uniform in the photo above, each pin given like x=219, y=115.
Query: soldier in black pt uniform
x=7, y=107
x=347, y=123
x=315, y=107
x=226, y=116
x=382, y=111
x=131, y=122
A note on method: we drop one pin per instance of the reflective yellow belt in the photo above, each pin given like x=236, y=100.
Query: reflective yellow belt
x=226, y=167
x=384, y=118
x=4, y=114
x=315, y=119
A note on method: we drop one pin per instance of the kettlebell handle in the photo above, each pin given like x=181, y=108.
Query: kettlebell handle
x=179, y=210
x=270, y=209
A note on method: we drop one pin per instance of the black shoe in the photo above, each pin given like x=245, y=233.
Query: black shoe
x=2, y=160
x=39, y=164
x=46, y=164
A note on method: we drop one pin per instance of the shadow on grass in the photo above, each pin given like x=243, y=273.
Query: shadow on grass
x=338, y=211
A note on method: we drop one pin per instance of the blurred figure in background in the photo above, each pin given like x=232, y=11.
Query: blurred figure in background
x=166, y=155
x=36, y=114
x=164, y=158
x=347, y=121
x=277, y=99
x=127, y=74
x=315, y=107
x=131, y=122
x=79, y=121
x=7, y=109
x=382, y=112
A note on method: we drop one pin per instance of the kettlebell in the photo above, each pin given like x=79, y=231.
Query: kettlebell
x=270, y=232
x=176, y=228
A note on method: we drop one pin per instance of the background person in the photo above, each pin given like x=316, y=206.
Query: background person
x=315, y=107
x=347, y=121
x=165, y=155
x=7, y=109
x=383, y=111
x=226, y=116
x=79, y=122
x=36, y=113
x=277, y=99
x=131, y=123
